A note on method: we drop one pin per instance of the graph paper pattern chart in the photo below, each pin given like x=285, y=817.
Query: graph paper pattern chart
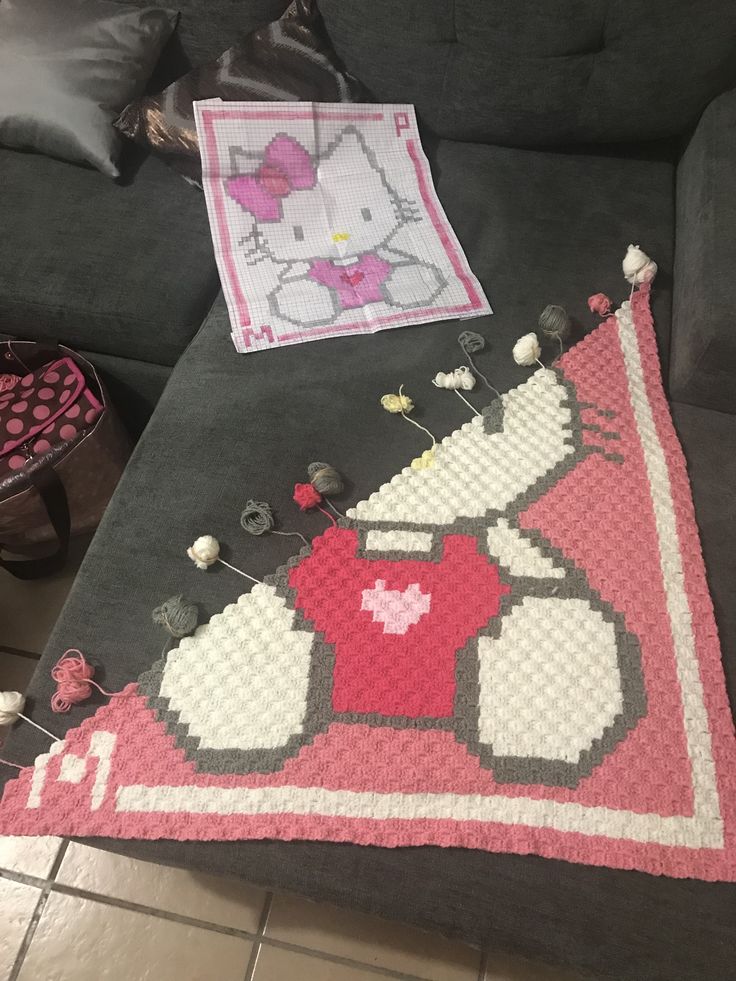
x=325, y=222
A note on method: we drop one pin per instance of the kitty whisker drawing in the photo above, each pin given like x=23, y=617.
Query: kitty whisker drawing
x=328, y=228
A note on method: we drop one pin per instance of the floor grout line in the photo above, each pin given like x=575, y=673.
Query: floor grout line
x=250, y=969
x=56, y=864
x=19, y=652
x=323, y=955
x=266, y=914
x=48, y=886
x=45, y=887
x=29, y=934
x=23, y=877
x=161, y=914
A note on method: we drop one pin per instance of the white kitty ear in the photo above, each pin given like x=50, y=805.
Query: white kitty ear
x=345, y=156
x=348, y=140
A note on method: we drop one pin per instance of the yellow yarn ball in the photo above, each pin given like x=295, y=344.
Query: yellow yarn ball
x=397, y=403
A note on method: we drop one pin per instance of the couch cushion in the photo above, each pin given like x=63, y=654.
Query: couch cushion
x=124, y=269
x=537, y=228
x=528, y=73
x=703, y=336
x=709, y=441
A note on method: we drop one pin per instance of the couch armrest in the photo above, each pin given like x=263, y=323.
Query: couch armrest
x=703, y=348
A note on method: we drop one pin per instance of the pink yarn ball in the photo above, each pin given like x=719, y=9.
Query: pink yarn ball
x=72, y=675
x=599, y=303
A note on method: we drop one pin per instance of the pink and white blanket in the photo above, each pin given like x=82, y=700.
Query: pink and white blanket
x=511, y=649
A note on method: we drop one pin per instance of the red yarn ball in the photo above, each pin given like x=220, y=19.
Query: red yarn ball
x=306, y=496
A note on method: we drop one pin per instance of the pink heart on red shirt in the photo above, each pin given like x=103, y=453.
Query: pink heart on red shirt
x=396, y=626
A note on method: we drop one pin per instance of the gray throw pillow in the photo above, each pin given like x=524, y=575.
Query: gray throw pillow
x=67, y=68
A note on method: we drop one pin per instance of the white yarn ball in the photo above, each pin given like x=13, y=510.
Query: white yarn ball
x=461, y=378
x=12, y=704
x=637, y=266
x=204, y=552
x=527, y=350
x=464, y=378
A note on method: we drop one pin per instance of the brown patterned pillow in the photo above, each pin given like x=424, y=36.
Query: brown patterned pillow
x=290, y=60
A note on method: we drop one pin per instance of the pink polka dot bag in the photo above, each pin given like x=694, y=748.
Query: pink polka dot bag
x=60, y=454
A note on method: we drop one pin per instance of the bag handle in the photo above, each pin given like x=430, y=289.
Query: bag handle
x=51, y=490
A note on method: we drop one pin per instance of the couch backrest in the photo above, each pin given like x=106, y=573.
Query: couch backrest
x=541, y=72
x=209, y=27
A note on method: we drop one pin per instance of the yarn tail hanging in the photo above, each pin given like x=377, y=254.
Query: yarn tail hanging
x=257, y=519
x=555, y=323
x=326, y=481
x=205, y=551
x=12, y=704
x=470, y=343
x=402, y=404
x=306, y=496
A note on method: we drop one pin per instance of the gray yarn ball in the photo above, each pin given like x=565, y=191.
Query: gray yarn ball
x=471, y=342
x=554, y=322
x=325, y=479
x=177, y=616
x=257, y=517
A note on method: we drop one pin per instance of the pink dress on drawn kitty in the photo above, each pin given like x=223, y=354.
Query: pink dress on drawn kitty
x=332, y=251
x=356, y=284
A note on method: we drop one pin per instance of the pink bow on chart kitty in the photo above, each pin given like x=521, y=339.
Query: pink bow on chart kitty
x=286, y=167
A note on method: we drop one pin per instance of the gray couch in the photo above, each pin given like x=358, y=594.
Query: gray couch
x=540, y=126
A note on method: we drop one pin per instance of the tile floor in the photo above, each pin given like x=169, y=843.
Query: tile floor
x=70, y=912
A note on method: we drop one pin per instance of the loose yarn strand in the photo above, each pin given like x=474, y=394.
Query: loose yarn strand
x=206, y=551
x=40, y=728
x=478, y=372
x=415, y=423
x=12, y=704
x=289, y=534
x=239, y=571
x=8, y=763
x=327, y=514
x=257, y=519
x=332, y=507
x=326, y=481
x=469, y=404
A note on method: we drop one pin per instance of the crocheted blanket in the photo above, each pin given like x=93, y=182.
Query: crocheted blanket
x=513, y=649
x=325, y=222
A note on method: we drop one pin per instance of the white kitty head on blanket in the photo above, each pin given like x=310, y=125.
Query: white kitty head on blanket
x=297, y=221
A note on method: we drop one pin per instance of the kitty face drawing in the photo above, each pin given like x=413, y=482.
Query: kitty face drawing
x=338, y=206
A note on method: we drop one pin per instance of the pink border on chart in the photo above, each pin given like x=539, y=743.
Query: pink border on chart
x=223, y=234
x=439, y=226
x=342, y=328
x=208, y=115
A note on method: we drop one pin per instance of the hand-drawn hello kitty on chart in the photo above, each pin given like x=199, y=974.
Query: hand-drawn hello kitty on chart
x=334, y=249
